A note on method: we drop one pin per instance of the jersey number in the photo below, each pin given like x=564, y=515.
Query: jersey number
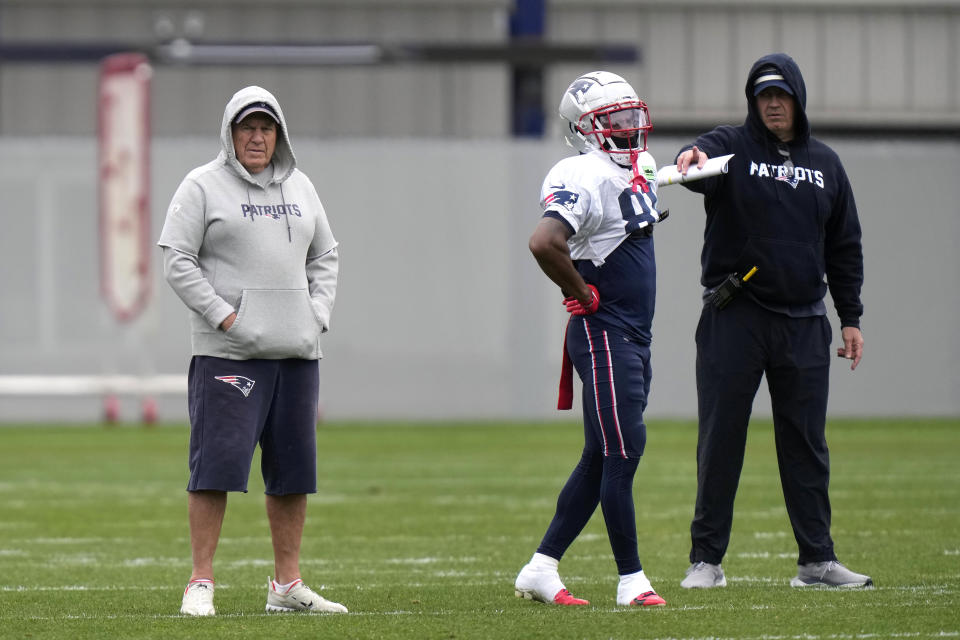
x=630, y=202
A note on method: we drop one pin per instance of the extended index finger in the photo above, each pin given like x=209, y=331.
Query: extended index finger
x=684, y=159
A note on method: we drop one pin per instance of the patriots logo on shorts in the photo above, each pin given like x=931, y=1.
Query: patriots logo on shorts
x=245, y=385
x=563, y=198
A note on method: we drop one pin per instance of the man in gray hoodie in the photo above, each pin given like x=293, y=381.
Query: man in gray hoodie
x=247, y=247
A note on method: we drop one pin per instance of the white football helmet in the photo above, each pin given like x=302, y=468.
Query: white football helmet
x=602, y=111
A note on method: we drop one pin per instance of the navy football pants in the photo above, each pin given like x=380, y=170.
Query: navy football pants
x=735, y=347
x=615, y=373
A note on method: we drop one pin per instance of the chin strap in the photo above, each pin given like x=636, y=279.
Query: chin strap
x=638, y=179
x=638, y=182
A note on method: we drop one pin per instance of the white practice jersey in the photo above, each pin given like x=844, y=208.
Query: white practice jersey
x=594, y=195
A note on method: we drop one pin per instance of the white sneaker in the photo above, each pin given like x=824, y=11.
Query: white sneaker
x=543, y=584
x=703, y=575
x=198, y=599
x=300, y=597
x=635, y=589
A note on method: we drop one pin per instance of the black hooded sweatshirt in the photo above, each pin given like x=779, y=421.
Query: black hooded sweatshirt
x=794, y=227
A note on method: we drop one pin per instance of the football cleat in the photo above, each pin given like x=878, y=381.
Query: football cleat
x=300, y=597
x=565, y=599
x=648, y=599
x=198, y=599
x=829, y=574
x=632, y=584
x=544, y=585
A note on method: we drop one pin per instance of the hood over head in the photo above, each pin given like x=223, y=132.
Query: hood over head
x=248, y=100
x=764, y=73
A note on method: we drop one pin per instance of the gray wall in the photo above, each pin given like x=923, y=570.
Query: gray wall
x=442, y=313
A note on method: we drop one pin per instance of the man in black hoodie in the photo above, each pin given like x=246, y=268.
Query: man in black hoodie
x=786, y=208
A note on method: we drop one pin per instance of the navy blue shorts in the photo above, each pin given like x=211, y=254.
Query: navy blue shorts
x=237, y=404
x=615, y=372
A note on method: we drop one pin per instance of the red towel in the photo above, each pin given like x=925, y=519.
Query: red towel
x=565, y=399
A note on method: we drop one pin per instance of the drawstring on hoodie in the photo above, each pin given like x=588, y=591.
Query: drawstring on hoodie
x=286, y=213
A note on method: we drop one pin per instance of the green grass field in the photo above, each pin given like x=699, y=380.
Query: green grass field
x=420, y=531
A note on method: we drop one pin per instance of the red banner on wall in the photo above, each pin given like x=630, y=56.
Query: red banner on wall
x=124, y=183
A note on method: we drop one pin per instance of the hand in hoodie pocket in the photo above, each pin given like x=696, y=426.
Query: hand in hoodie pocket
x=275, y=323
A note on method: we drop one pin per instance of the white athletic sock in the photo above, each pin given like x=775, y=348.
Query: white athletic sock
x=282, y=588
x=632, y=585
x=541, y=561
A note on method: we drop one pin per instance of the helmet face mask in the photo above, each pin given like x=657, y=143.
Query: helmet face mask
x=602, y=111
x=619, y=129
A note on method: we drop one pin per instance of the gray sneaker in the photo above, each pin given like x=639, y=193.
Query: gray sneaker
x=829, y=574
x=703, y=575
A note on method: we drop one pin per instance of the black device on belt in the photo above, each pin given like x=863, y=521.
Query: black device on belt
x=729, y=289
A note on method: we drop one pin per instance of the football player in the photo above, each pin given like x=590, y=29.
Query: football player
x=595, y=242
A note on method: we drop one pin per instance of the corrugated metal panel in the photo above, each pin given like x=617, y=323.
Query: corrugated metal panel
x=933, y=68
x=399, y=100
x=868, y=63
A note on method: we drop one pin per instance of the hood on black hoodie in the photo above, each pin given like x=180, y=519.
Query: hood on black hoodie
x=794, y=79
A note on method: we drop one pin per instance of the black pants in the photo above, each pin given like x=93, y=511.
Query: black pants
x=735, y=347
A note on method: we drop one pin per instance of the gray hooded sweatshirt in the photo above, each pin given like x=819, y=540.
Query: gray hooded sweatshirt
x=258, y=245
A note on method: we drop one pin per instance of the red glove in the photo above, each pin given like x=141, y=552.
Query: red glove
x=575, y=308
